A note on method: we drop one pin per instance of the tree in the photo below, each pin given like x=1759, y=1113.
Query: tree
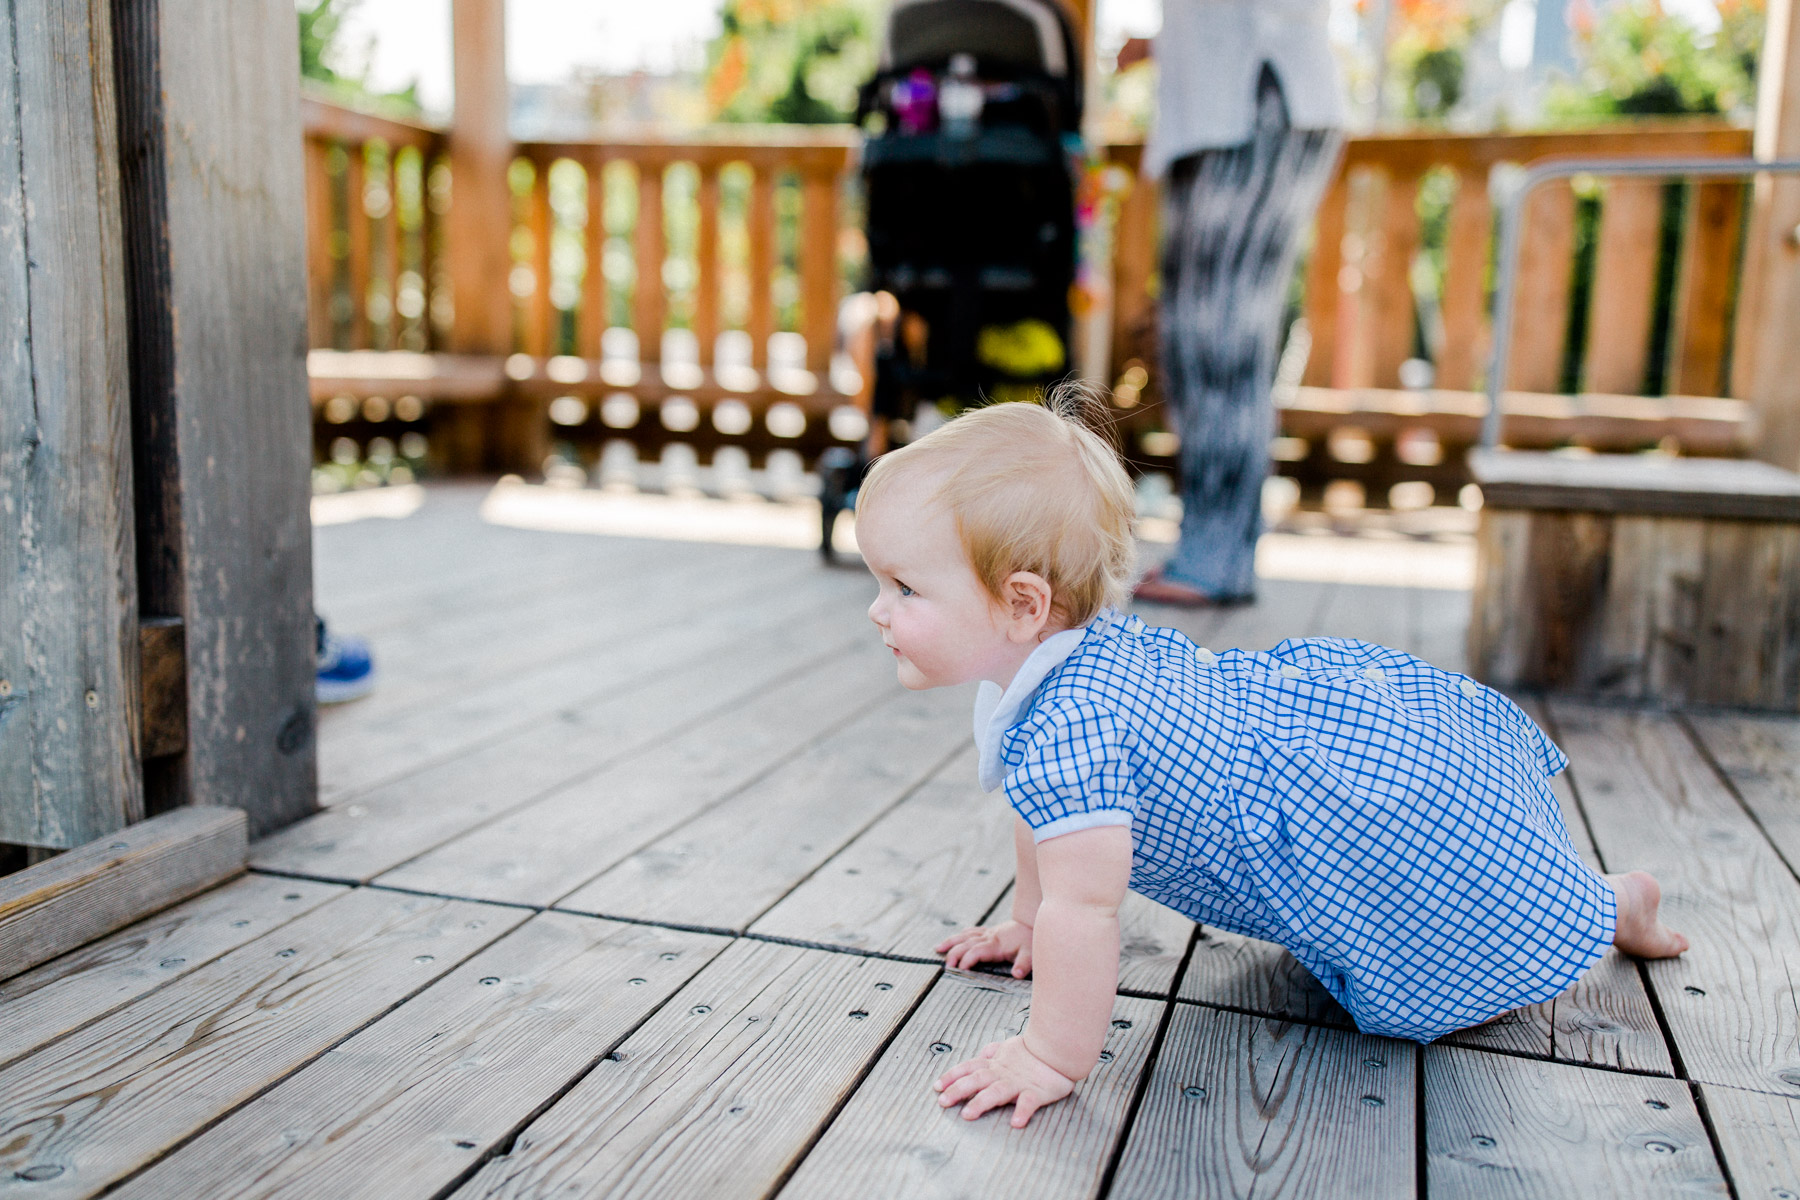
x=322, y=57
x=795, y=61
x=1640, y=60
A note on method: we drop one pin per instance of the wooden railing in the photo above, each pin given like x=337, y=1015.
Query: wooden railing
x=715, y=320
x=1626, y=288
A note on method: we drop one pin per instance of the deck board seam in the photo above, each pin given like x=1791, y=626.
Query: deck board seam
x=1698, y=1094
x=650, y=744
x=525, y=726
x=176, y=1145
x=1154, y=1056
x=1705, y=751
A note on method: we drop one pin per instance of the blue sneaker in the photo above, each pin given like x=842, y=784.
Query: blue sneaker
x=346, y=667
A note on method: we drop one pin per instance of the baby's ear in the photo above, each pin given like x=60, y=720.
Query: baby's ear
x=1028, y=601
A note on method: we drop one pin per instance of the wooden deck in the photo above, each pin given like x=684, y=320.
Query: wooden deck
x=629, y=878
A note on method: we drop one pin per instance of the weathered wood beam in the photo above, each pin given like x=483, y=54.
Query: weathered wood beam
x=68, y=604
x=1767, y=355
x=214, y=203
x=73, y=898
x=481, y=149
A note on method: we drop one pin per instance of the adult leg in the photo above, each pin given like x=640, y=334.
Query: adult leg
x=1232, y=220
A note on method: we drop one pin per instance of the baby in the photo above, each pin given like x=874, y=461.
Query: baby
x=1387, y=822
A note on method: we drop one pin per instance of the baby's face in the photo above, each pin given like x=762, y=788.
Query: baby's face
x=933, y=613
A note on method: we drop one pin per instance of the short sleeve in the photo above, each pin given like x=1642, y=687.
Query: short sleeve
x=1070, y=769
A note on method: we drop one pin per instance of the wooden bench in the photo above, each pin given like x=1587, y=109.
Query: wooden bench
x=1638, y=576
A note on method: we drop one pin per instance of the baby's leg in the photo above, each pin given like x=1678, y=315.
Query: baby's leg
x=1639, y=932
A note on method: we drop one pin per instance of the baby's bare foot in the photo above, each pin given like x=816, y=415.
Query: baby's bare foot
x=1639, y=932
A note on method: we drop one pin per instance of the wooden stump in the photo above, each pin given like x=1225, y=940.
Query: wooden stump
x=1637, y=577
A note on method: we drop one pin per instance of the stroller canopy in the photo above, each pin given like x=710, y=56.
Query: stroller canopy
x=1023, y=35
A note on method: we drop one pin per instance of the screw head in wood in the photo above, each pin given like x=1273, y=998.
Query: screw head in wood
x=424, y=958
x=940, y=1047
x=39, y=1172
x=1373, y=1101
x=5, y=687
x=1121, y=1024
x=884, y=987
x=700, y=1010
x=1106, y=1056
x=1658, y=1105
x=1482, y=1140
x=859, y=1015
x=1661, y=1148
x=92, y=698
x=1194, y=1093
x=1694, y=991
x=635, y=982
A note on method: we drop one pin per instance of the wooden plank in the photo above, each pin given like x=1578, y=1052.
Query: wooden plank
x=1541, y=296
x=1389, y=306
x=414, y=1101
x=1624, y=287
x=1465, y=290
x=931, y=866
x=359, y=244
x=649, y=304
x=105, y=975
x=1654, y=804
x=91, y=1108
x=68, y=612
x=1767, y=356
x=1760, y=758
x=1498, y=1127
x=428, y=734
x=1748, y=646
x=94, y=889
x=761, y=233
x=321, y=265
x=390, y=248
x=386, y=827
x=1680, y=487
x=706, y=256
x=222, y=437
x=725, y=868
x=1759, y=1139
x=818, y=268
x=1701, y=321
x=595, y=295
x=544, y=851
x=892, y=1139
x=1242, y=1106
x=162, y=652
x=724, y=1089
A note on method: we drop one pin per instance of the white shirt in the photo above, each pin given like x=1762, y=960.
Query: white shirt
x=1208, y=58
x=997, y=711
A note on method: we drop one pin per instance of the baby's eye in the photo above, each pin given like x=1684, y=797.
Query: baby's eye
x=904, y=590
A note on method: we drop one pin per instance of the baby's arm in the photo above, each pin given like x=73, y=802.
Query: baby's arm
x=1009, y=940
x=1084, y=876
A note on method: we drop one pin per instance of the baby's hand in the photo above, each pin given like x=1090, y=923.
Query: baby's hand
x=1003, y=1073
x=1007, y=941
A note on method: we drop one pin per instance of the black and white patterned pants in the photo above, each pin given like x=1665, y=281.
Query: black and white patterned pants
x=1232, y=219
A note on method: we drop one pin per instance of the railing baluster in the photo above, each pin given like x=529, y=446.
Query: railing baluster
x=1391, y=305
x=319, y=264
x=1624, y=286
x=390, y=247
x=356, y=216
x=1464, y=301
x=706, y=255
x=1708, y=275
x=1541, y=312
x=649, y=305
x=540, y=336
x=762, y=262
x=818, y=269
x=594, y=295
x=1323, y=287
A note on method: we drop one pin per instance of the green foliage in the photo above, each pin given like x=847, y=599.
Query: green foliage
x=322, y=55
x=794, y=61
x=1640, y=60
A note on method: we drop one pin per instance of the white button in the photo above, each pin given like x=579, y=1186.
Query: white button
x=1374, y=674
x=1205, y=657
x=1469, y=688
x=1291, y=671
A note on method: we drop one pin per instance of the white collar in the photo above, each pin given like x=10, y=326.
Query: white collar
x=996, y=711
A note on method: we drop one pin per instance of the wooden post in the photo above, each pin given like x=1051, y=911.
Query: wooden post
x=214, y=208
x=68, y=595
x=1767, y=353
x=481, y=149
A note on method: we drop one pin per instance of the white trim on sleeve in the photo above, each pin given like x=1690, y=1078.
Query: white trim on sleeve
x=1076, y=822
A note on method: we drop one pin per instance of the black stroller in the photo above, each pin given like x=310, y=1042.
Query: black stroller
x=972, y=127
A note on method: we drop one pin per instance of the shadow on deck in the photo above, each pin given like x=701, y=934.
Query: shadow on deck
x=630, y=873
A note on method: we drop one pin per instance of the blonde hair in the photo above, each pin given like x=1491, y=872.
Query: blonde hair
x=1032, y=488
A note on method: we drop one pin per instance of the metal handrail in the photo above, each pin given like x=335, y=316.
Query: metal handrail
x=1511, y=220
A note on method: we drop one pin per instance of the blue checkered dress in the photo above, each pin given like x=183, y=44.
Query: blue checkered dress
x=1388, y=822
